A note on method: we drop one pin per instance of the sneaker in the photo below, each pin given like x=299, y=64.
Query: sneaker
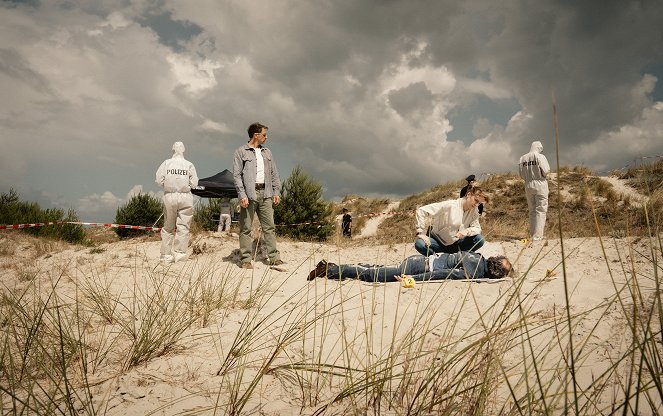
x=167, y=258
x=247, y=265
x=276, y=262
x=319, y=271
x=181, y=257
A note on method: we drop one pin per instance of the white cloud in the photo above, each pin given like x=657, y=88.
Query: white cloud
x=487, y=88
x=103, y=207
x=438, y=80
x=92, y=205
x=362, y=103
x=213, y=126
x=197, y=75
x=619, y=148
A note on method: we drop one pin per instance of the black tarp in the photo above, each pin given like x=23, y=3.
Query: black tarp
x=221, y=185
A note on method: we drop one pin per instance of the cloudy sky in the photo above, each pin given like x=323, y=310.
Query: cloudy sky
x=373, y=97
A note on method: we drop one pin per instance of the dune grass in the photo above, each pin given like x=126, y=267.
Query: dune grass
x=333, y=348
x=69, y=332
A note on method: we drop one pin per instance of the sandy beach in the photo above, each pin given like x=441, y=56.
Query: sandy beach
x=267, y=341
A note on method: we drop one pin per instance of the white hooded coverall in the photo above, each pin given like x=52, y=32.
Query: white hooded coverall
x=176, y=176
x=533, y=168
x=225, y=216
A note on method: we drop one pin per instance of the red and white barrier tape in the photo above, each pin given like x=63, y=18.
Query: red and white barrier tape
x=377, y=214
x=370, y=214
x=19, y=226
x=130, y=227
x=147, y=228
x=92, y=224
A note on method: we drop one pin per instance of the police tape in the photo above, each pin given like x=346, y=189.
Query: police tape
x=129, y=227
x=92, y=224
x=20, y=226
x=370, y=214
x=147, y=228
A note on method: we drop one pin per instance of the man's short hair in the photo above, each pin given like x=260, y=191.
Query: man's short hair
x=256, y=128
x=497, y=268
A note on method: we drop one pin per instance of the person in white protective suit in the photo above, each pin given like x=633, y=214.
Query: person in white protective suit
x=533, y=168
x=176, y=176
x=225, y=215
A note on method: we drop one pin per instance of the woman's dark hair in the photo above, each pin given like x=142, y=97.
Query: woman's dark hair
x=475, y=190
x=497, y=268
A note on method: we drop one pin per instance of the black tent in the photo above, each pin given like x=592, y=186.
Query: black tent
x=221, y=185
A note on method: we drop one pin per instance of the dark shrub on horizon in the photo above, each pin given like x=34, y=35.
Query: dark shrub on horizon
x=141, y=209
x=15, y=211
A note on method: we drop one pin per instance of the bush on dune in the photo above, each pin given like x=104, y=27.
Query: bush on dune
x=141, y=209
x=15, y=211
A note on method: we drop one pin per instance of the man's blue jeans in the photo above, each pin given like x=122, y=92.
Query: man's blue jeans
x=470, y=243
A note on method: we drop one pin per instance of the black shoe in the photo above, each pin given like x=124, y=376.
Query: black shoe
x=319, y=271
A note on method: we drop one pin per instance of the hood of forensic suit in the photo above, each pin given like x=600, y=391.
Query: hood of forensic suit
x=178, y=149
x=537, y=147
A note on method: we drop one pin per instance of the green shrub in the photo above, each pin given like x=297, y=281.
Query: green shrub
x=302, y=202
x=205, y=213
x=15, y=211
x=141, y=209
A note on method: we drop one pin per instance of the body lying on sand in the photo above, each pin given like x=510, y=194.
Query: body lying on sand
x=442, y=266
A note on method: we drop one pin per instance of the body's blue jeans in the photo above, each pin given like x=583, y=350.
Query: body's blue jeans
x=469, y=243
x=412, y=265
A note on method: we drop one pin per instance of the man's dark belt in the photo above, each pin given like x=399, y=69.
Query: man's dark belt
x=260, y=186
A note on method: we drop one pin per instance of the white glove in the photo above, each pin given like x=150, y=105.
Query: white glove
x=424, y=238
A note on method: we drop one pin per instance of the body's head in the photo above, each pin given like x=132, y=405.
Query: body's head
x=471, y=179
x=498, y=267
x=257, y=134
x=474, y=197
x=345, y=210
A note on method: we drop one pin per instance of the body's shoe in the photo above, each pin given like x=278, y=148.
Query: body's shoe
x=276, y=262
x=167, y=258
x=247, y=265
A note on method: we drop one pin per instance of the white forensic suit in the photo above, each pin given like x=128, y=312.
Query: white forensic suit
x=176, y=176
x=533, y=168
x=225, y=215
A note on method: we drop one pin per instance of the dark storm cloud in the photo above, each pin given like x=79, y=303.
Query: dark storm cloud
x=589, y=53
x=14, y=66
x=371, y=97
x=411, y=100
x=173, y=33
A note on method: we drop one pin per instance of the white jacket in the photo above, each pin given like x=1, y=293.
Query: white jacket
x=533, y=168
x=177, y=174
x=448, y=218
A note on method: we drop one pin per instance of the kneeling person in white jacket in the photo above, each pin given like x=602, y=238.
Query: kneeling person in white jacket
x=176, y=176
x=450, y=226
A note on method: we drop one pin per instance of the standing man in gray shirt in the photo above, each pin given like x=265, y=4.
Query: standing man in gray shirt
x=533, y=168
x=258, y=187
